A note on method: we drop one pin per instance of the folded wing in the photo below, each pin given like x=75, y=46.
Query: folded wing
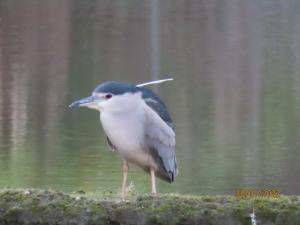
x=160, y=138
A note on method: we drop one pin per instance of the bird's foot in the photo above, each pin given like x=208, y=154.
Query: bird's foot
x=128, y=189
x=153, y=194
x=123, y=199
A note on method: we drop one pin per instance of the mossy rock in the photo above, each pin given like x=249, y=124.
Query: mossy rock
x=51, y=207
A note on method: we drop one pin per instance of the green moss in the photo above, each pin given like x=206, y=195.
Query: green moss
x=52, y=207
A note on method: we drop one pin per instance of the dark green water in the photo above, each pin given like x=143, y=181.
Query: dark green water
x=235, y=100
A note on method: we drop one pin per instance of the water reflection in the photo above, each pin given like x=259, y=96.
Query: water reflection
x=235, y=100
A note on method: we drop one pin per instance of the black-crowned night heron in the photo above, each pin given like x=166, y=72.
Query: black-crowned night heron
x=138, y=126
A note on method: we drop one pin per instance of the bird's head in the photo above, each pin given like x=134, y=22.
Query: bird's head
x=111, y=96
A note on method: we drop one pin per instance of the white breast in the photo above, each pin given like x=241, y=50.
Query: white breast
x=126, y=132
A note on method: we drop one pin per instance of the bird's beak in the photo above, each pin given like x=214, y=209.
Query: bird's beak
x=88, y=102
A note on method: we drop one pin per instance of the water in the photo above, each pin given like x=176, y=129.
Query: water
x=235, y=100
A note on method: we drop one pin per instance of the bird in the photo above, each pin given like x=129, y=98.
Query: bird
x=138, y=126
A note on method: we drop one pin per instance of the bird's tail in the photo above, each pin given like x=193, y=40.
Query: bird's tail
x=167, y=164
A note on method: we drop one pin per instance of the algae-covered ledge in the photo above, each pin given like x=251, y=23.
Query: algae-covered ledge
x=51, y=207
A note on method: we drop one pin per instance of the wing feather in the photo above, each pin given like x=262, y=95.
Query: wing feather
x=160, y=138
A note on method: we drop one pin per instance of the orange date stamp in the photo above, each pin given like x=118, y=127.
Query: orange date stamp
x=246, y=193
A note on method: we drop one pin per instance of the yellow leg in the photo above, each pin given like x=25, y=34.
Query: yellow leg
x=125, y=173
x=153, y=185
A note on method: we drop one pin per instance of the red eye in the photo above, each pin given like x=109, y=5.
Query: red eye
x=108, y=96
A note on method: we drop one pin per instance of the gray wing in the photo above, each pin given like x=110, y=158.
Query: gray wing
x=154, y=102
x=160, y=138
x=161, y=110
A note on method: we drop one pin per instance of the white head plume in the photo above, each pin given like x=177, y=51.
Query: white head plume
x=154, y=82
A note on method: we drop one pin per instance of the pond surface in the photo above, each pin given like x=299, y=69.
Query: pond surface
x=235, y=100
